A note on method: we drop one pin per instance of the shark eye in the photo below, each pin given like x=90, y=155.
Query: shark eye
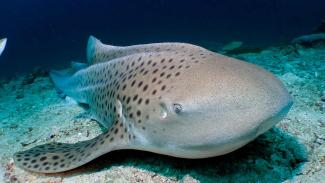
x=177, y=108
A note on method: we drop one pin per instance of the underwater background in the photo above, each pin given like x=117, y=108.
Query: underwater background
x=44, y=35
x=51, y=33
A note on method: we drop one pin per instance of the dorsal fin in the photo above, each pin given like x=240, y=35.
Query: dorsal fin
x=98, y=52
x=77, y=66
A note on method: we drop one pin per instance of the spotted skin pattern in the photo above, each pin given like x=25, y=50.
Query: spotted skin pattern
x=168, y=98
x=58, y=157
x=135, y=80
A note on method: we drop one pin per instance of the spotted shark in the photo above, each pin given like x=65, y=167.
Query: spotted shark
x=175, y=99
x=3, y=43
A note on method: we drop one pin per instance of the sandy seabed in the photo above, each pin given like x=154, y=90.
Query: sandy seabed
x=31, y=113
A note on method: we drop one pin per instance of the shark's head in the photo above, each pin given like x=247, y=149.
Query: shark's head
x=221, y=101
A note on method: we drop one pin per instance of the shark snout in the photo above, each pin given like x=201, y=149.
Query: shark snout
x=273, y=120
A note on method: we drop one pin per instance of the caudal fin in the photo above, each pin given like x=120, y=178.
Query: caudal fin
x=59, y=157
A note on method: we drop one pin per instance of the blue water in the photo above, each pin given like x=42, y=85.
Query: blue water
x=51, y=33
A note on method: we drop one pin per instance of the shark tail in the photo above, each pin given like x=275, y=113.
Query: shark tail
x=59, y=157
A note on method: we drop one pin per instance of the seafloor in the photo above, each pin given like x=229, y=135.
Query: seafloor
x=294, y=151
